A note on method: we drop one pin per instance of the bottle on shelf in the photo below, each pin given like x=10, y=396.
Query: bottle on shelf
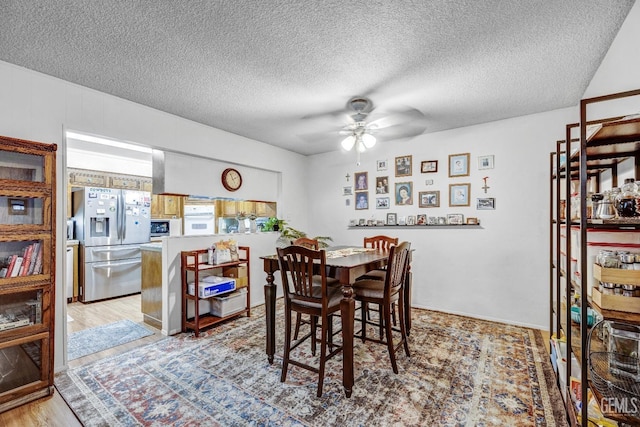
x=626, y=199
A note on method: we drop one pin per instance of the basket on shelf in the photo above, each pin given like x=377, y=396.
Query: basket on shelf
x=614, y=366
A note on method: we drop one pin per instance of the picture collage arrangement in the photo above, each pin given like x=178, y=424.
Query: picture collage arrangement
x=401, y=191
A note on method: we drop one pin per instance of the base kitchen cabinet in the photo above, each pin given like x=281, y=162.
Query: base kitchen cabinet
x=151, y=294
x=198, y=312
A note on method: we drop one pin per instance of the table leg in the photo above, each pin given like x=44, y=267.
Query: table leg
x=347, y=310
x=270, y=312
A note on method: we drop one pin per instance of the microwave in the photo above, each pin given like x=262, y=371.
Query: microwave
x=166, y=227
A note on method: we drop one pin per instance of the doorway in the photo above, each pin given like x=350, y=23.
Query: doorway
x=97, y=162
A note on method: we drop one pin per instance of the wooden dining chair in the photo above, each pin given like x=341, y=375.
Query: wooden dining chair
x=315, y=245
x=378, y=242
x=302, y=294
x=307, y=243
x=383, y=243
x=385, y=294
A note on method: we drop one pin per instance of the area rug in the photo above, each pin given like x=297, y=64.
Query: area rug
x=462, y=372
x=102, y=337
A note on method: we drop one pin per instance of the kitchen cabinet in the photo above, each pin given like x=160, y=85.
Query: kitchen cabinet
x=194, y=267
x=166, y=206
x=125, y=182
x=230, y=208
x=80, y=178
x=27, y=265
x=73, y=244
x=591, y=146
x=265, y=209
x=151, y=295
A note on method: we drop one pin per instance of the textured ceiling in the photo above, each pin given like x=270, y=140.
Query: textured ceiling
x=281, y=71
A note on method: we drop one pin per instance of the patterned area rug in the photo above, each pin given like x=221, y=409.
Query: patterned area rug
x=102, y=337
x=462, y=372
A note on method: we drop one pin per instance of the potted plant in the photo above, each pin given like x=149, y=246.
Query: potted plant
x=273, y=224
x=289, y=234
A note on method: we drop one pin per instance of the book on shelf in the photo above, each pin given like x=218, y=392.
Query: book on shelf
x=3, y=272
x=34, y=254
x=26, y=260
x=11, y=260
x=37, y=268
x=16, y=266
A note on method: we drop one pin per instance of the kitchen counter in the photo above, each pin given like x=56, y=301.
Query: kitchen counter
x=153, y=246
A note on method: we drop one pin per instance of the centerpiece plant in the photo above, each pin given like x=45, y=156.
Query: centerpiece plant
x=289, y=234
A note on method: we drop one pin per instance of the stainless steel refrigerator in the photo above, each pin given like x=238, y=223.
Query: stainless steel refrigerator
x=110, y=225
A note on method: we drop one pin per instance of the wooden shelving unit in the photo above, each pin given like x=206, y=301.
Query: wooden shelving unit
x=27, y=293
x=193, y=266
x=590, y=148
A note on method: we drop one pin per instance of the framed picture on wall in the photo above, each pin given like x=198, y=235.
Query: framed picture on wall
x=404, y=193
x=429, y=199
x=485, y=162
x=362, y=181
x=459, y=164
x=403, y=166
x=429, y=166
x=459, y=194
x=382, y=203
x=487, y=203
x=382, y=185
x=381, y=165
x=362, y=200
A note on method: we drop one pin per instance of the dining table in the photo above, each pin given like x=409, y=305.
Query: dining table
x=344, y=263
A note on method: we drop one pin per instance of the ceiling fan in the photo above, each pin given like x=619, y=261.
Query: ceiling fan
x=361, y=132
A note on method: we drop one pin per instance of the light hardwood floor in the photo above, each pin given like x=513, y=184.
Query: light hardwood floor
x=53, y=411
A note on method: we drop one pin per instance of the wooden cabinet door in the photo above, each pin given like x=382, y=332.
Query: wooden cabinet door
x=171, y=205
x=229, y=208
x=246, y=207
x=265, y=209
x=156, y=206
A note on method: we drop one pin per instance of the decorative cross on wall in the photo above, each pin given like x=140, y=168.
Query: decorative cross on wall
x=347, y=176
x=485, y=187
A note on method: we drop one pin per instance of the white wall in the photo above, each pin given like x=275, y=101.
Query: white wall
x=497, y=272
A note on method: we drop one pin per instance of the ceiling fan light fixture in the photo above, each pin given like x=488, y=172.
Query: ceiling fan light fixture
x=360, y=146
x=368, y=140
x=348, y=142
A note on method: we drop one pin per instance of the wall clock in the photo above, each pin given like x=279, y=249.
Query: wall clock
x=231, y=179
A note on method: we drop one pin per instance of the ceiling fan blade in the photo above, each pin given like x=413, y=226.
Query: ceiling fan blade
x=404, y=131
x=408, y=116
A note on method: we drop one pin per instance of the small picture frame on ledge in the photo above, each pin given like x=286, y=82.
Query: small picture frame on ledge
x=455, y=219
x=392, y=219
x=473, y=221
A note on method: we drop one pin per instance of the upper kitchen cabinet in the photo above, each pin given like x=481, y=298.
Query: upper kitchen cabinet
x=163, y=206
x=265, y=209
x=27, y=270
